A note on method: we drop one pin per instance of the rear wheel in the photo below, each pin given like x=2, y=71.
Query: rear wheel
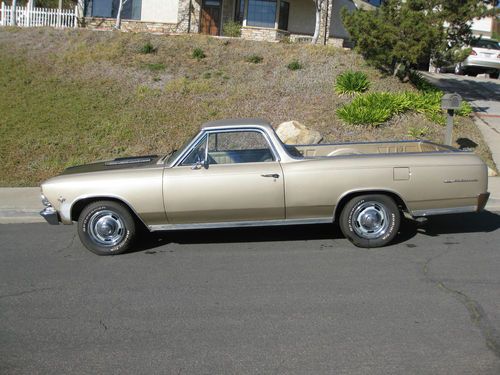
x=495, y=75
x=106, y=228
x=370, y=220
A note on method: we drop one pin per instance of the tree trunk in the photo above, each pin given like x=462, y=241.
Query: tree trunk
x=59, y=10
x=317, y=26
x=13, y=19
x=396, y=69
x=118, y=24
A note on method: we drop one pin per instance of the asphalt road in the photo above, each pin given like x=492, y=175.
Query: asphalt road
x=293, y=300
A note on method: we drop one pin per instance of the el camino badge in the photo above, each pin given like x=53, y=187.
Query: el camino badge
x=459, y=180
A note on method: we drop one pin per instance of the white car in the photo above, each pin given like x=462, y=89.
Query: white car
x=484, y=58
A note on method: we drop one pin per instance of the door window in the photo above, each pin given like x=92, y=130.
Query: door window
x=238, y=147
x=197, y=154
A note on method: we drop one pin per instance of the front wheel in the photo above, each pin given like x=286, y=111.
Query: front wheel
x=370, y=220
x=106, y=228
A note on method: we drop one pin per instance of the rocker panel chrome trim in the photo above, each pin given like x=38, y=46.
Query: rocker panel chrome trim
x=240, y=224
x=444, y=211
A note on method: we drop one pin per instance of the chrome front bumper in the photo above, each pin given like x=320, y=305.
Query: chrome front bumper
x=50, y=215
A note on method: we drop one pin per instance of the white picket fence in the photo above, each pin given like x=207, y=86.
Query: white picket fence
x=36, y=17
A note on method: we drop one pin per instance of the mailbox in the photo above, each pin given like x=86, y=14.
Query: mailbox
x=451, y=101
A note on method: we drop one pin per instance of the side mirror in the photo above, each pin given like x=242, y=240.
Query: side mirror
x=197, y=165
x=200, y=162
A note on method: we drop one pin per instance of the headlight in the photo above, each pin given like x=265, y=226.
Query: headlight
x=45, y=201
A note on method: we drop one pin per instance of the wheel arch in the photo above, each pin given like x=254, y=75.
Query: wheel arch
x=80, y=203
x=347, y=196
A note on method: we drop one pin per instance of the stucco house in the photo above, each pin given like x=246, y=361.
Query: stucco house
x=260, y=19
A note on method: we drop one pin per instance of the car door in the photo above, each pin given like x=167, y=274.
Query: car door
x=228, y=176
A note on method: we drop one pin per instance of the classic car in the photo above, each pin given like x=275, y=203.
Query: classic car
x=238, y=173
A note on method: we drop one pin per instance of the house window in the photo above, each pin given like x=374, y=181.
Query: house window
x=261, y=13
x=109, y=9
x=239, y=11
x=284, y=11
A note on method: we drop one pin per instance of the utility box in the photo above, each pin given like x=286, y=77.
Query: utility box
x=451, y=101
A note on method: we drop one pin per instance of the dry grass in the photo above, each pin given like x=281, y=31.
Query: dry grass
x=74, y=96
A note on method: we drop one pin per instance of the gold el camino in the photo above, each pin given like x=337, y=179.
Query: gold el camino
x=237, y=173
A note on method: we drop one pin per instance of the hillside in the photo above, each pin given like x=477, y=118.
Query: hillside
x=74, y=96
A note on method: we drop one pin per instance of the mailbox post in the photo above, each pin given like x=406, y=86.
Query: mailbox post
x=450, y=102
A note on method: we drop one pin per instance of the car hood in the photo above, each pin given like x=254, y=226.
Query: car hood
x=118, y=163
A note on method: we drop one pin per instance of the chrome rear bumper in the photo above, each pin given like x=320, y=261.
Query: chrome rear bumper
x=50, y=215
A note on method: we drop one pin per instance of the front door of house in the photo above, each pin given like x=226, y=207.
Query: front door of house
x=210, y=17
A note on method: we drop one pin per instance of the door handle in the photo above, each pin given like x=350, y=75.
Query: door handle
x=273, y=175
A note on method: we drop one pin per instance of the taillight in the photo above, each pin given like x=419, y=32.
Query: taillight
x=473, y=53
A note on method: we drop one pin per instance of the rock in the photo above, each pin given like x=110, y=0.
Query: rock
x=294, y=133
x=491, y=172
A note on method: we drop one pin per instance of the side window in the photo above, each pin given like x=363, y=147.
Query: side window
x=238, y=147
x=197, y=154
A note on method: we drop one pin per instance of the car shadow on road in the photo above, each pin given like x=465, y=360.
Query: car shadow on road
x=239, y=235
x=434, y=226
x=482, y=222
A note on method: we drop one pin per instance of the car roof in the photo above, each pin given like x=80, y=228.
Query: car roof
x=236, y=123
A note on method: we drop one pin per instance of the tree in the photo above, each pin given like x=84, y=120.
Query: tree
x=401, y=33
x=318, y=5
x=13, y=19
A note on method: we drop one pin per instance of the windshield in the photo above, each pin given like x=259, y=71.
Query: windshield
x=484, y=43
x=177, y=152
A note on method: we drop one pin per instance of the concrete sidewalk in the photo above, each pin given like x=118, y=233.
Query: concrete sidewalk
x=22, y=205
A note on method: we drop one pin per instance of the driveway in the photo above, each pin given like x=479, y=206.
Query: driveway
x=484, y=95
x=292, y=300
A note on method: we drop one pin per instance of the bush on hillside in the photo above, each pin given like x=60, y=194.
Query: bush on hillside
x=147, y=48
x=378, y=107
x=254, y=59
x=294, y=65
x=232, y=29
x=198, y=54
x=351, y=82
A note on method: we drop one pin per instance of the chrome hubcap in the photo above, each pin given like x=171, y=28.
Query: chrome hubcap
x=370, y=220
x=106, y=228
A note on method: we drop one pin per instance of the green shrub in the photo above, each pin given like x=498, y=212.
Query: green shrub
x=372, y=109
x=428, y=103
x=351, y=83
x=294, y=65
x=378, y=107
x=464, y=110
x=255, y=59
x=198, y=54
x=232, y=29
x=147, y=48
